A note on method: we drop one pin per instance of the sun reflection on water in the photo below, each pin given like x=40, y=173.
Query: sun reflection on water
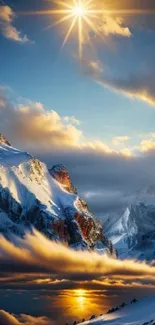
x=80, y=297
x=70, y=305
x=78, y=304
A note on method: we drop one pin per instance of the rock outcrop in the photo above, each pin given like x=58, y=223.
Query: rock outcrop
x=82, y=225
x=3, y=140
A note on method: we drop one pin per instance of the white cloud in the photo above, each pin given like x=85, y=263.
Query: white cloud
x=120, y=140
x=113, y=25
x=7, y=17
x=72, y=120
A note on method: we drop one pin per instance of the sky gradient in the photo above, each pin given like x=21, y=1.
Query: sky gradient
x=95, y=114
x=112, y=93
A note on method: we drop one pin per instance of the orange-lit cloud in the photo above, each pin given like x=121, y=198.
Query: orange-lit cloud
x=147, y=145
x=113, y=25
x=37, y=254
x=7, y=17
x=12, y=319
x=32, y=126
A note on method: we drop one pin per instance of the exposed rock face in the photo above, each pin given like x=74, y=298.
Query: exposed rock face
x=3, y=140
x=60, y=173
x=81, y=224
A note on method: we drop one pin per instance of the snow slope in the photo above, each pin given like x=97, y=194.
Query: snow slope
x=31, y=197
x=139, y=313
x=133, y=232
x=27, y=180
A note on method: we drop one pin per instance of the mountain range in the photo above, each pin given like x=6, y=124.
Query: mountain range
x=133, y=232
x=31, y=196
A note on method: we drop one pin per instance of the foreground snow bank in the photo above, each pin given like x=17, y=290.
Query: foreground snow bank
x=140, y=313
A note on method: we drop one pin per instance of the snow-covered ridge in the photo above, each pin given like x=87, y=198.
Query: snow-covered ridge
x=31, y=197
x=140, y=313
x=133, y=232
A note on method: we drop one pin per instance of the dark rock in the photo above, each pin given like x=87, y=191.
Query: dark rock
x=3, y=140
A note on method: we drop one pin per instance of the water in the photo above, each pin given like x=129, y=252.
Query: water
x=66, y=306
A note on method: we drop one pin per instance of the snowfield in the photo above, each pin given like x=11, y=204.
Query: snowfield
x=27, y=180
x=139, y=313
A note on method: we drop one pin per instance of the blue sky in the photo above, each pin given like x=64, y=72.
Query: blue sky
x=40, y=71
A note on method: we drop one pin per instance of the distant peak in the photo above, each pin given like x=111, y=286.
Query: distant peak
x=60, y=173
x=3, y=140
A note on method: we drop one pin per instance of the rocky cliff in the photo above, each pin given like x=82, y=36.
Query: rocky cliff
x=31, y=196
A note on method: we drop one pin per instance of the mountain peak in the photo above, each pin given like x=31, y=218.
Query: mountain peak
x=3, y=140
x=60, y=173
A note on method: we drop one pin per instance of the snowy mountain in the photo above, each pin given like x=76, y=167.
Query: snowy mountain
x=31, y=196
x=133, y=232
x=139, y=313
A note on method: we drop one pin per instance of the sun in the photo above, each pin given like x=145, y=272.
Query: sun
x=80, y=296
x=84, y=15
x=79, y=11
x=81, y=14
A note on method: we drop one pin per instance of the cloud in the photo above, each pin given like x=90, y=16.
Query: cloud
x=7, y=17
x=102, y=176
x=29, y=123
x=140, y=86
x=136, y=86
x=38, y=265
x=147, y=145
x=72, y=120
x=119, y=140
x=108, y=181
x=113, y=25
x=11, y=319
x=37, y=254
x=31, y=126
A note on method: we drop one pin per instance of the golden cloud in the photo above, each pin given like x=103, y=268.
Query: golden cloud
x=7, y=17
x=11, y=319
x=147, y=145
x=113, y=25
x=38, y=254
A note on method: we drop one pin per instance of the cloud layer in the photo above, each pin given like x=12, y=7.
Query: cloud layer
x=7, y=17
x=11, y=319
x=109, y=180
x=138, y=85
x=29, y=123
x=37, y=254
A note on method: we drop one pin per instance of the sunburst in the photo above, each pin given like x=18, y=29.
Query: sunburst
x=83, y=14
x=79, y=12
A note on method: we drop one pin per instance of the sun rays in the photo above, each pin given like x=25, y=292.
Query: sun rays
x=84, y=16
x=81, y=14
